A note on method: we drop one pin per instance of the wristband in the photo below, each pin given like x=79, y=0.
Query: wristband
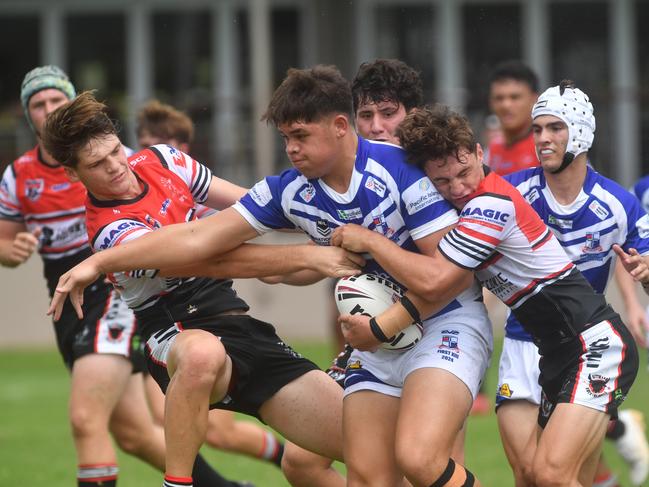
x=410, y=308
x=377, y=332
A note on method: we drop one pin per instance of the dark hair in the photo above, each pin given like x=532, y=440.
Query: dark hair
x=435, y=133
x=72, y=126
x=308, y=95
x=515, y=70
x=165, y=122
x=387, y=80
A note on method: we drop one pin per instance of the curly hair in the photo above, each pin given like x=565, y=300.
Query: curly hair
x=69, y=128
x=387, y=80
x=308, y=95
x=434, y=133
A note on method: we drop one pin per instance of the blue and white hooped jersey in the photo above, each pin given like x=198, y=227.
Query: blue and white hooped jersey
x=386, y=194
x=603, y=214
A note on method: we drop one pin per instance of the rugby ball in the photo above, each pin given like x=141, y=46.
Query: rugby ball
x=370, y=295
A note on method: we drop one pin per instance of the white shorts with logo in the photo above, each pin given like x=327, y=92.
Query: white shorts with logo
x=460, y=341
x=518, y=372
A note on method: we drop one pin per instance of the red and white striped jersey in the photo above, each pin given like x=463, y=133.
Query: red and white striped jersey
x=172, y=182
x=516, y=256
x=42, y=196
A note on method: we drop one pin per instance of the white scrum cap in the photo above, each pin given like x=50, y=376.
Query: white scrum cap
x=575, y=109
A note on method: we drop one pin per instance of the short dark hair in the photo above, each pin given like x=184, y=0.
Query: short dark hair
x=435, y=132
x=514, y=69
x=387, y=80
x=72, y=126
x=308, y=95
x=165, y=122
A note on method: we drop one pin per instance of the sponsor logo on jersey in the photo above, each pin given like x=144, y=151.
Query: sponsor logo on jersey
x=34, y=188
x=118, y=232
x=505, y=391
x=60, y=186
x=61, y=234
x=592, y=244
x=165, y=205
x=415, y=200
x=486, y=214
x=153, y=223
x=559, y=222
x=307, y=193
x=375, y=185
x=599, y=211
x=597, y=385
x=350, y=214
x=177, y=156
x=355, y=365
x=260, y=193
x=138, y=159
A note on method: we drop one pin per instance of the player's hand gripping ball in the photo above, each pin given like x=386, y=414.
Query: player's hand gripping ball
x=370, y=295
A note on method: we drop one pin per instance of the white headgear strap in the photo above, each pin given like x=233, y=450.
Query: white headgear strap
x=573, y=107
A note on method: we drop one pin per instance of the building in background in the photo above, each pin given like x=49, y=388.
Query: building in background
x=220, y=59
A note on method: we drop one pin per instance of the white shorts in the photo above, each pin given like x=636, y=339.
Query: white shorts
x=460, y=341
x=518, y=372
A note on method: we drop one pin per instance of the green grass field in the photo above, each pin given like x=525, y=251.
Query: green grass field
x=36, y=448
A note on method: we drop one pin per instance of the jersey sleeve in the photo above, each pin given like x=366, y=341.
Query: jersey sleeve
x=484, y=223
x=638, y=227
x=118, y=232
x=197, y=176
x=262, y=206
x=424, y=210
x=641, y=191
x=10, y=207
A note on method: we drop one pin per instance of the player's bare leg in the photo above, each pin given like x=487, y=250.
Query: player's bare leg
x=517, y=423
x=569, y=446
x=200, y=374
x=428, y=427
x=303, y=468
x=133, y=427
x=308, y=412
x=98, y=382
x=224, y=432
x=370, y=420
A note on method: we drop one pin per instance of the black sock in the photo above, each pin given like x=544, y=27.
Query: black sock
x=205, y=476
x=97, y=476
x=615, y=429
x=277, y=459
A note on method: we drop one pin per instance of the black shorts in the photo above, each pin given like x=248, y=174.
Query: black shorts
x=595, y=370
x=262, y=362
x=108, y=326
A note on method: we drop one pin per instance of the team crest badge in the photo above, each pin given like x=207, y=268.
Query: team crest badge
x=597, y=385
x=449, y=341
x=592, y=243
x=34, y=188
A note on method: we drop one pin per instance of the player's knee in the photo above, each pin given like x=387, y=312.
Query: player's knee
x=200, y=360
x=419, y=460
x=546, y=473
x=221, y=438
x=85, y=422
x=299, y=465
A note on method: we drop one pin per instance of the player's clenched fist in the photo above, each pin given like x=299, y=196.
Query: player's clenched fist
x=21, y=248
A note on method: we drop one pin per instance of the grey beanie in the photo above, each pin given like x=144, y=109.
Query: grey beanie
x=43, y=78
